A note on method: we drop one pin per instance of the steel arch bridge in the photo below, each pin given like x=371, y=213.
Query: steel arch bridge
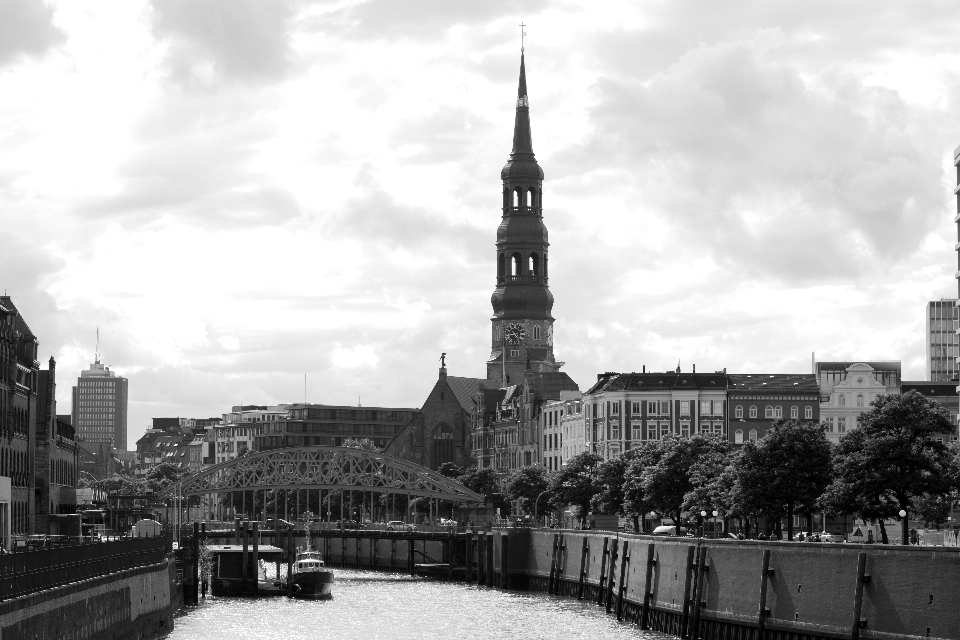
x=325, y=468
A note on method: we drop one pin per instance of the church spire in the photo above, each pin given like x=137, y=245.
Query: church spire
x=522, y=138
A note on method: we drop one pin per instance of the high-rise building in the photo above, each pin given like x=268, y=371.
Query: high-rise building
x=942, y=340
x=100, y=407
x=522, y=331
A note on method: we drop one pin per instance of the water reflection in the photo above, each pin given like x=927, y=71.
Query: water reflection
x=368, y=605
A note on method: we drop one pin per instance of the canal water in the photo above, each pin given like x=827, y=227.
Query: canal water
x=370, y=605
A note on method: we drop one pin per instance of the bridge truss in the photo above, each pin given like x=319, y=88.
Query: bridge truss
x=342, y=469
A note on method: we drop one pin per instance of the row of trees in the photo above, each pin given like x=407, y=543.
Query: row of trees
x=900, y=457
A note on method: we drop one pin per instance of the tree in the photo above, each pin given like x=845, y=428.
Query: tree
x=527, y=484
x=707, y=491
x=450, y=470
x=893, y=460
x=667, y=482
x=783, y=473
x=483, y=481
x=161, y=476
x=574, y=484
x=362, y=443
x=610, y=476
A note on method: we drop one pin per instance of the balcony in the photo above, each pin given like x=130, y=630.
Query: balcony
x=528, y=279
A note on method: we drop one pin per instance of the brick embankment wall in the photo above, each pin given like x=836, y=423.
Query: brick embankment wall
x=743, y=590
x=136, y=604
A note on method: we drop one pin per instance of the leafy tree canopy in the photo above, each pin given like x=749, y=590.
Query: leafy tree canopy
x=529, y=483
x=574, y=483
x=893, y=459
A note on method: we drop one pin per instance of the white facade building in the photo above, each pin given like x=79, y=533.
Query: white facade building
x=234, y=436
x=849, y=398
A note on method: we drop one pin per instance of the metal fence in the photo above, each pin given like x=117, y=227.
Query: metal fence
x=32, y=571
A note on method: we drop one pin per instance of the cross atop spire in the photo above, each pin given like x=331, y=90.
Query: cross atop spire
x=522, y=33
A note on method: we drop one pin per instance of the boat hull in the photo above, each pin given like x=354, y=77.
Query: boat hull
x=313, y=585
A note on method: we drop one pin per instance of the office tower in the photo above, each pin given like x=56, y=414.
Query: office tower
x=942, y=340
x=100, y=407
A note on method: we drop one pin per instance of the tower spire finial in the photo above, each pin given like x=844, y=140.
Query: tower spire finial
x=522, y=34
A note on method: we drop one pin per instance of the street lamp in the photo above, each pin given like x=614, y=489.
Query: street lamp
x=703, y=515
x=715, y=514
x=535, y=504
x=903, y=523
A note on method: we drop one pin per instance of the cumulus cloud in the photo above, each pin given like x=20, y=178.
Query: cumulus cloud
x=361, y=355
x=27, y=28
x=234, y=40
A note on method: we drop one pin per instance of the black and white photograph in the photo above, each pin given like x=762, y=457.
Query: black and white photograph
x=442, y=319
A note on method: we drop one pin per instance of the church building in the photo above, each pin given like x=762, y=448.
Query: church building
x=493, y=421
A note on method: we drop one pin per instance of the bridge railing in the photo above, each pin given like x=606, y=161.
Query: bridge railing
x=32, y=571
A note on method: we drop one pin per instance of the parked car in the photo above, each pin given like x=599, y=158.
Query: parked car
x=669, y=530
x=397, y=525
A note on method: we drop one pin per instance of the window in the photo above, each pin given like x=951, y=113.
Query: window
x=704, y=427
x=664, y=408
x=718, y=407
x=841, y=425
x=738, y=412
x=808, y=413
x=497, y=334
x=778, y=412
x=615, y=408
x=635, y=408
x=794, y=412
x=705, y=406
x=664, y=429
x=685, y=407
x=651, y=431
x=753, y=411
x=768, y=412
x=753, y=435
x=651, y=408
x=615, y=432
x=637, y=431
x=738, y=436
x=536, y=332
x=685, y=429
x=841, y=400
x=859, y=399
x=514, y=353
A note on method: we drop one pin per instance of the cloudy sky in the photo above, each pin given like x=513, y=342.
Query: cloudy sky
x=239, y=193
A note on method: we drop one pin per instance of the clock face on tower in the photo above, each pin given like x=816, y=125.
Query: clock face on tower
x=515, y=333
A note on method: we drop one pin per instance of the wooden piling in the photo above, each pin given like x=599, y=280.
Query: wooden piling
x=762, y=616
x=621, y=588
x=504, y=561
x=698, y=590
x=603, y=570
x=490, y=559
x=858, y=596
x=290, y=559
x=468, y=557
x=647, y=585
x=613, y=565
x=584, y=555
x=688, y=577
x=246, y=568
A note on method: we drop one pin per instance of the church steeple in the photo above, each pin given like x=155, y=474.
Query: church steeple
x=522, y=303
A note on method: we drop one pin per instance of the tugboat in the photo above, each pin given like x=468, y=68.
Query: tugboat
x=311, y=578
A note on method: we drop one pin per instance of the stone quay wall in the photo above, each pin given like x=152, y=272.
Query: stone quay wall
x=698, y=589
x=134, y=604
x=747, y=590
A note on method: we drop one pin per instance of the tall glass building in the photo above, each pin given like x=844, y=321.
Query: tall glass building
x=942, y=340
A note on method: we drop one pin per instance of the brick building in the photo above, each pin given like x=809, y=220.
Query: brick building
x=329, y=425
x=38, y=459
x=440, y=431
x=756, y=401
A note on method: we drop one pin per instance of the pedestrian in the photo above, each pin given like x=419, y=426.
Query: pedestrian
x=800, y=537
